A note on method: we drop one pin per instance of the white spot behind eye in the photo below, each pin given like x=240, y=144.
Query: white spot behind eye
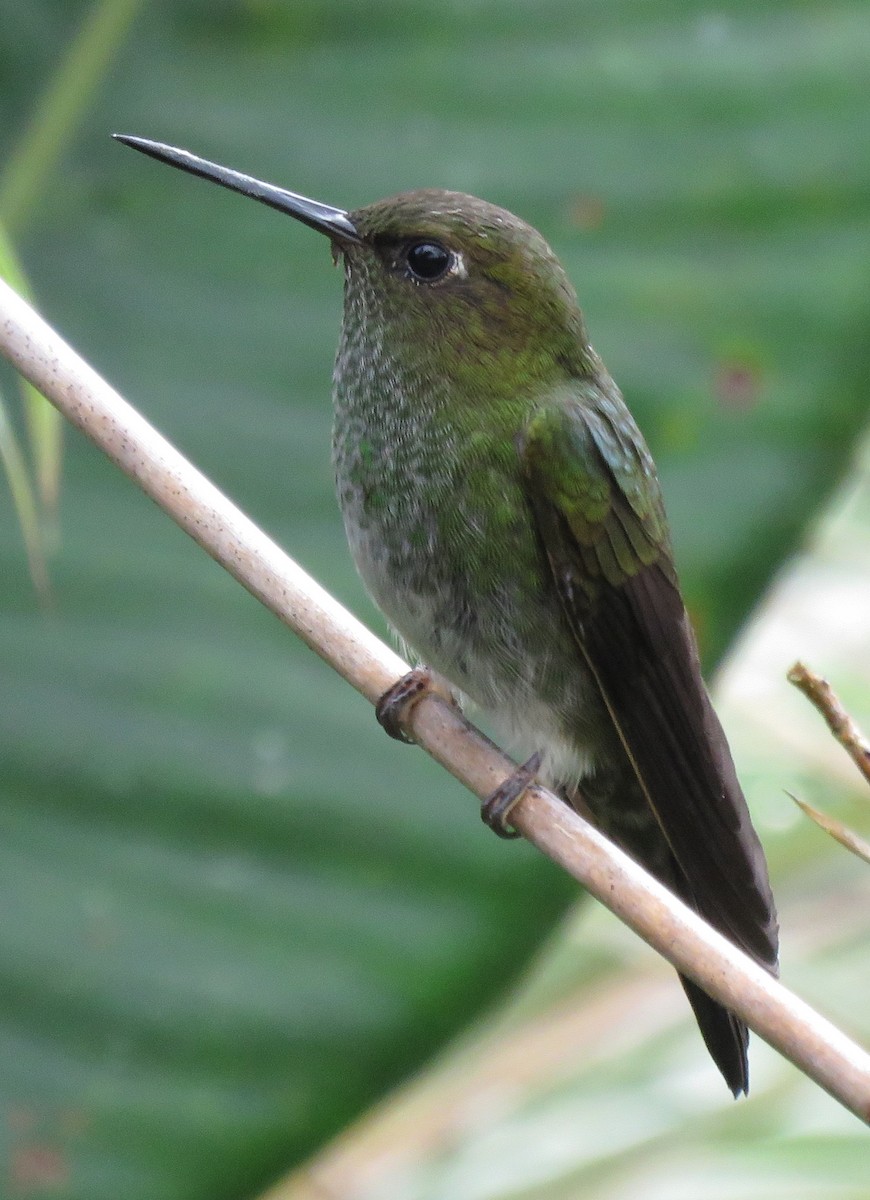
x=458, y=269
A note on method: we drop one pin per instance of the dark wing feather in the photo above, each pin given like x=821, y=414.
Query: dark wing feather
x=640, y=645
x=597, y=505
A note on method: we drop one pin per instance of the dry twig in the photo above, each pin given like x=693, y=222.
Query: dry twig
x=820, y=694
x=845, y=730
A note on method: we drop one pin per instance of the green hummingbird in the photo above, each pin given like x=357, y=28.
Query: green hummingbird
x=504, y=513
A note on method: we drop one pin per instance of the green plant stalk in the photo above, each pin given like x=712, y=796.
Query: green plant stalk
x=44, y=423
x=60, y=108
x=50, y=128
x=15, y=466
x=34, y=491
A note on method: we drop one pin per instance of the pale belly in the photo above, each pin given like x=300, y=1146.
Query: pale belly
x=492, y=627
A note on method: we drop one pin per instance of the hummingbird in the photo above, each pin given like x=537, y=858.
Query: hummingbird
x=505, y=515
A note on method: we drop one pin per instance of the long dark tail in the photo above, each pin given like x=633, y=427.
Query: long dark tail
x=615, y=803
x=725, y=1036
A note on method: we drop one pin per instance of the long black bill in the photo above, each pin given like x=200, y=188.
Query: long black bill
x=334, y=222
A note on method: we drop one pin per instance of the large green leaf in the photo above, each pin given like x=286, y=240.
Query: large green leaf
x=232, y=911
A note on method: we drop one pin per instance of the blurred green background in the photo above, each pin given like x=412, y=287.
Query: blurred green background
x=233, y=912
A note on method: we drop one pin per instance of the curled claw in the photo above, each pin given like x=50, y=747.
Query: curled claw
x=496, y=809
x=395, y=706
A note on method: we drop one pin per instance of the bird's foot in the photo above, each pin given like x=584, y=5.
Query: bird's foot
x=394, y=708
x=497, y=808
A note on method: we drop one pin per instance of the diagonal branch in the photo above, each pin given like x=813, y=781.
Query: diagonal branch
x=810, y=1041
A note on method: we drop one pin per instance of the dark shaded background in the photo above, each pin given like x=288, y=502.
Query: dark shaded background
x=233, y=912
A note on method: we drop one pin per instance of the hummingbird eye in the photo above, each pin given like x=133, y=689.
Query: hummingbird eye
x=428, y=261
